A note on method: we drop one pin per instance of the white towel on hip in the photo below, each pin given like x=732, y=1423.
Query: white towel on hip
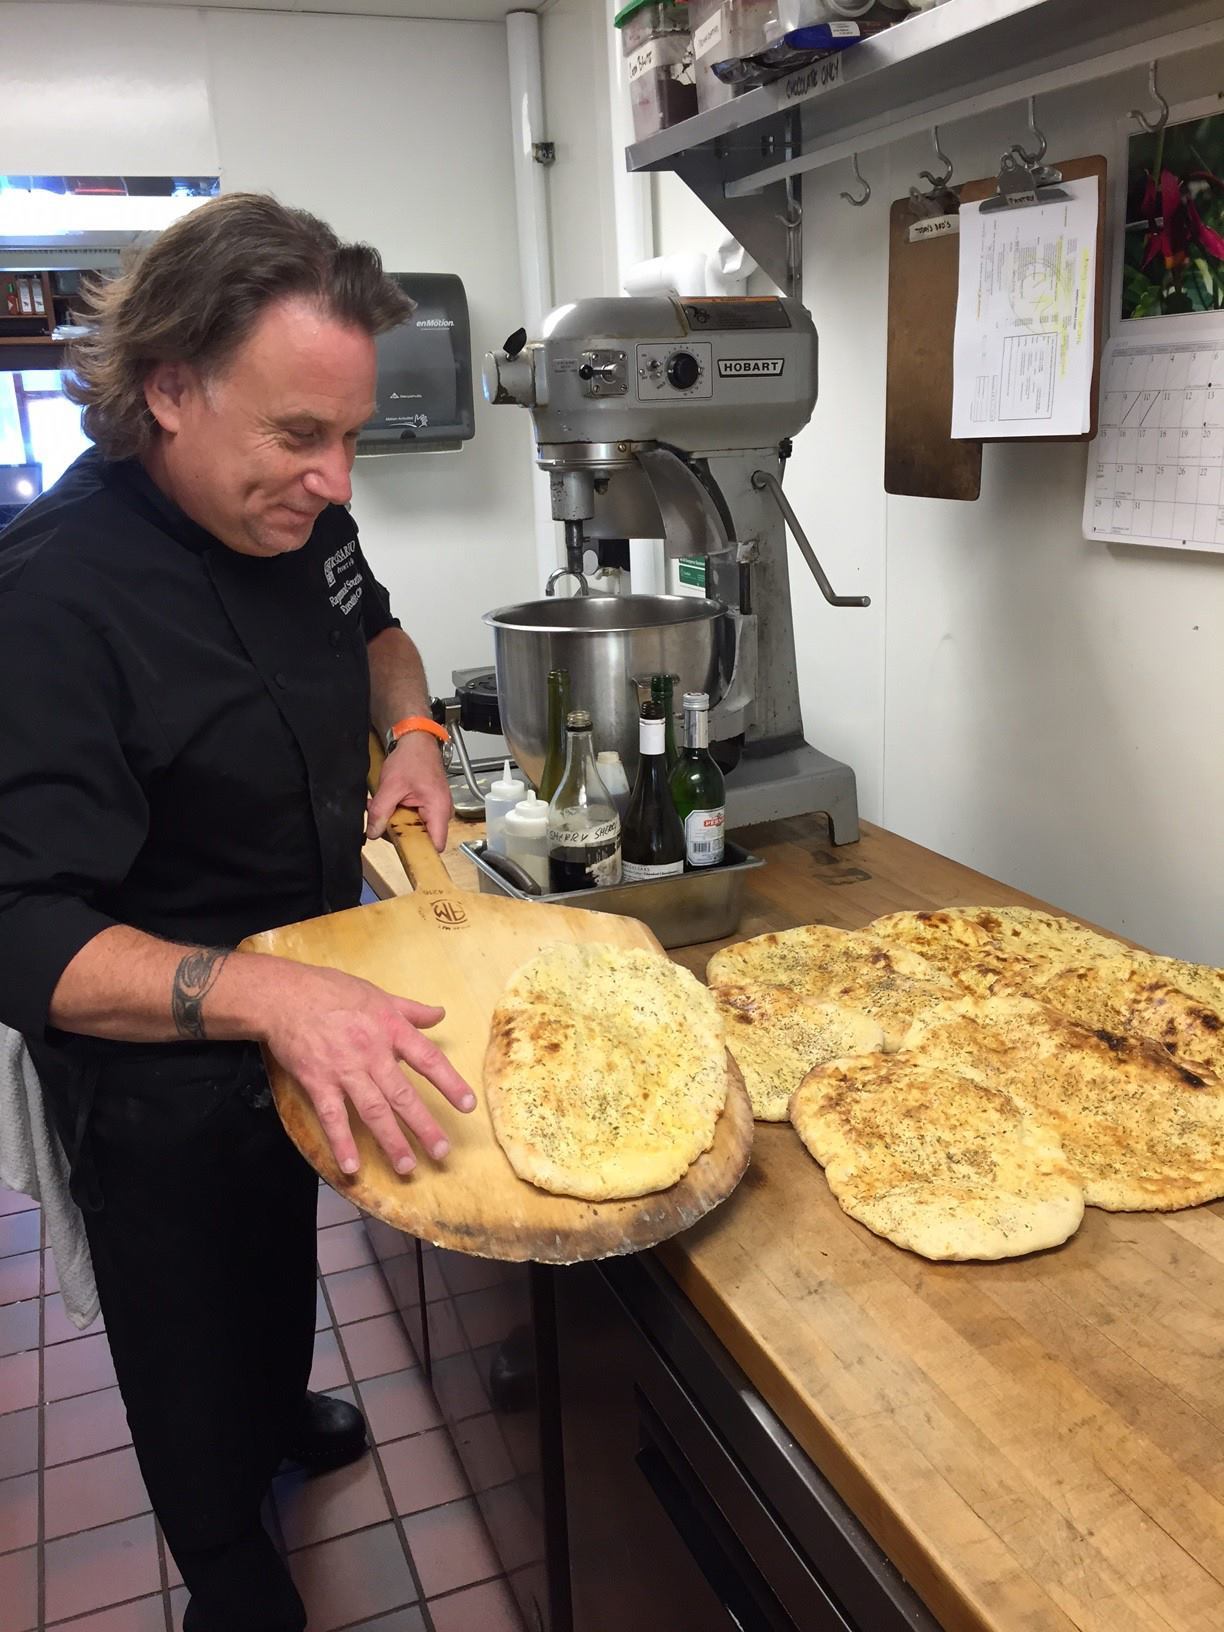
x=32, y=1162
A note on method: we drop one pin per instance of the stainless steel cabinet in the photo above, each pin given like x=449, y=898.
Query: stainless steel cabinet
x=689, y=1506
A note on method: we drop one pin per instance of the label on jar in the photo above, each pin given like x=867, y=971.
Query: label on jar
x=703, y=837
x=668, y=52
x=642, y=60
x=633, y=872
x=708, y=35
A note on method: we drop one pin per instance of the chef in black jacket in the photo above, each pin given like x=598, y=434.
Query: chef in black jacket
x=192, y=646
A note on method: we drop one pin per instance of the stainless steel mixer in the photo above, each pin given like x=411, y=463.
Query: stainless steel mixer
x=611, y=646
x=662, y=418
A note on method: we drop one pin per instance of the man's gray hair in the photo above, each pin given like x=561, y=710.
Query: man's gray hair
x=197, y=292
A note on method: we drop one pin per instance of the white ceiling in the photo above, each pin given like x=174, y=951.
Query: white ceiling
x=459, y=11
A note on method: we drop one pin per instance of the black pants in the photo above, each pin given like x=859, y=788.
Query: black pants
x=204, y=1252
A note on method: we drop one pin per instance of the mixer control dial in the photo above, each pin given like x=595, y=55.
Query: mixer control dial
x=683, y=370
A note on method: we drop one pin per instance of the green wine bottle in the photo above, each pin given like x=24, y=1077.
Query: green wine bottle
x=661, y=693
x=558, y=708
x=697, y=787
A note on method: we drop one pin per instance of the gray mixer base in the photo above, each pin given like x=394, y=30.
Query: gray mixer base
x=793, y=782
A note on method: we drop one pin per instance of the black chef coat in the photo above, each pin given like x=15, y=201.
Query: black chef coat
x=184, y=744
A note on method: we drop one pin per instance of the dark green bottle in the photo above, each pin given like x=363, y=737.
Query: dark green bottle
x=661, y=693
x=558, y=708
x=652, y=839
x=698, y=791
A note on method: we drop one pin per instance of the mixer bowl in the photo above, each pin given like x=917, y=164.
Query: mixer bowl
x=609, y=644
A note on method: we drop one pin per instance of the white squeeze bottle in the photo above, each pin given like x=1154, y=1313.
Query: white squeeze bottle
x=612, y=775
x=526, y=837
x=501, y=798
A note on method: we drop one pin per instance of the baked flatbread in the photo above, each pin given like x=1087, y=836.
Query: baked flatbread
x=1041, y=940
x=1120, y=995
x=1143, y=1132
x=777, y=1035
x=606, y=1071
x=889, y=984
x=935, y=1160
x=956, y=945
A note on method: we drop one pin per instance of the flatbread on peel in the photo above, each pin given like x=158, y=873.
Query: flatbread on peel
x=1143, y=1132
x=606, y=1071
x=889, y=984
x=937, y=1161
x=776, y=1035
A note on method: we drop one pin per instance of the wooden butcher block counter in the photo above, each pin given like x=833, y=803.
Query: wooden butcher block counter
x=1037, y=1444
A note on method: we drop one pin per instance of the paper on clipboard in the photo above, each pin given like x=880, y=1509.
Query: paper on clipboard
x=1025, y=318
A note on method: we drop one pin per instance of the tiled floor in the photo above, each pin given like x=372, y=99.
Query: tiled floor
x=394, y=1543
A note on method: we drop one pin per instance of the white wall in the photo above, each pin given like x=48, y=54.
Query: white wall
x=395, y=131
x=1047, y=710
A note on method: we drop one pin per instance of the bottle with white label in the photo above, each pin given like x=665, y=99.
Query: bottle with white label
x=584, y=831
x=652, y=845
x=697, y=787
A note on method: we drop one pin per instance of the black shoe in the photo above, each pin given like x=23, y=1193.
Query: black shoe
x=330, y=1434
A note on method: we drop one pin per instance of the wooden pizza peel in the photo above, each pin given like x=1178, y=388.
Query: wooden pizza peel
x=458, y=949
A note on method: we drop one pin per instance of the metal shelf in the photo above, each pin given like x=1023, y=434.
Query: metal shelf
x=960, y=59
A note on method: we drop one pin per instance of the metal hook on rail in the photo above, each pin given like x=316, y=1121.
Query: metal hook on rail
x=1030, y=159
x=792, y=219
x=863, y=183
x=938, y=183
x=1162, y=119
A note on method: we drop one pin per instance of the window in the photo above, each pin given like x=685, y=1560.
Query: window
x=40, y=436
x=53, y=228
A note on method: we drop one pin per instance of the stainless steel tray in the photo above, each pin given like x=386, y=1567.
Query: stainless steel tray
x=704, y=905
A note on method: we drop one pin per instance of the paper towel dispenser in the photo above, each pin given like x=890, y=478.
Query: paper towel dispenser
x=424, y=372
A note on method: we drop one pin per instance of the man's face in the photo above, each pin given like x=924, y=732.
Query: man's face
x=257, y=451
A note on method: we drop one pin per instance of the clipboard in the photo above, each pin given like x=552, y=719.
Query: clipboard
x=920, y=457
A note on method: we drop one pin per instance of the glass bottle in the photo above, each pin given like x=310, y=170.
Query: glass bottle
x=558, y=708
x=661, y=693
x=652, y=844
x=697, y=787
x=612, y=775
x=584, y=831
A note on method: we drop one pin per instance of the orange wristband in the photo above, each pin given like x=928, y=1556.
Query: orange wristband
x=416, y=722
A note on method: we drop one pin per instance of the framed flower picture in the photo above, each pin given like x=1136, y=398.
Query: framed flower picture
x=1172, y=251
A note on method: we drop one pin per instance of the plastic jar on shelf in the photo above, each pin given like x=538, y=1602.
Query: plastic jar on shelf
x=724, y=29
x=658, y=55
x=796, y=14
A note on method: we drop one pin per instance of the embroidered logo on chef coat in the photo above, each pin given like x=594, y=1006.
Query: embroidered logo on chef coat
x=343, y=577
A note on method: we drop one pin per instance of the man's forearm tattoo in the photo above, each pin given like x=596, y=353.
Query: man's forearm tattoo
x=194, y=978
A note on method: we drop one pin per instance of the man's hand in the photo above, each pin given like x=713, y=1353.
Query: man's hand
x=412, y=775
x=343, y=1038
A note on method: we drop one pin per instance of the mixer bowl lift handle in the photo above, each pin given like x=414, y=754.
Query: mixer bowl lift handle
x=765, y=482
